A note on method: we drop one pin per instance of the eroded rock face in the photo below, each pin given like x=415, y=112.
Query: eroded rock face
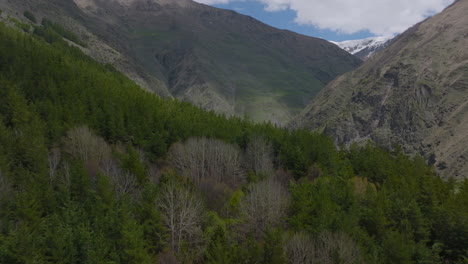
x=414, y=93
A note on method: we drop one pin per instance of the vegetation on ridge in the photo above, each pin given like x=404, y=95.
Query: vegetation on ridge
x=95, y=170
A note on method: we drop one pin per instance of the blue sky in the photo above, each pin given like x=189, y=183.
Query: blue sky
x=285, y=20
x=337, y=20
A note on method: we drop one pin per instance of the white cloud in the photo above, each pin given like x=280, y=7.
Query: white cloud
x=381, y=17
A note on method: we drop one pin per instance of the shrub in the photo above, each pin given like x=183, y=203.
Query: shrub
x=30, y=16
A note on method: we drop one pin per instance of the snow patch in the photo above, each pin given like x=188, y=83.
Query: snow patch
x=372, y=43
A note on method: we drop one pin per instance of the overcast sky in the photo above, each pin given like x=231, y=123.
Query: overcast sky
x=337, y=19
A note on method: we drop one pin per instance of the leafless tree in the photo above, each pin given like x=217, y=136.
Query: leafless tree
x=300, y=249
x=54, y=161
x=337, y=247
x=66, y=176
x=153, y=173
x=207, y=159
x=265, y=204
x=82, y=143
x=327, y=248
x=259, y=156
x=167, y=258
x=123, y=181
x=182, y=212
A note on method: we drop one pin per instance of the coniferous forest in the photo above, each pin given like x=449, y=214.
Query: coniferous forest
x=93, y=169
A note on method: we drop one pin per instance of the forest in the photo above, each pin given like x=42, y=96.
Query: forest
x=93, y=169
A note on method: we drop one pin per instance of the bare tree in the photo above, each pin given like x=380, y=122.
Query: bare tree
x=167, y=258
x=66, y=175
x=337, y=247
x=265, y=204
x=153, y=173
x=327, y=248
x=182, y=212
x=54, y=161
x=207, y=159
x=300, y=249
x=82, y=143
x=259, y=156
x=123, y=181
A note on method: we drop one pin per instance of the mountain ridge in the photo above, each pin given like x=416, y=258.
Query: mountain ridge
x=216, y=59
x=364, y=48
x=412, y=94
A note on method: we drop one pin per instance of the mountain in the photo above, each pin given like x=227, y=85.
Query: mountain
x=216, y=59
x=364, y=48
x=414, y=93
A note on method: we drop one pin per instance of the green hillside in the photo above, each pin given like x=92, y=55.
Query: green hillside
x=95, y=170
x=216, y=59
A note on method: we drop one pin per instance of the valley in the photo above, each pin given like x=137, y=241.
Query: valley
x=165, y=131
x=216, y=59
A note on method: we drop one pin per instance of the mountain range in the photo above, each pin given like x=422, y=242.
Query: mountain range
x=216, y=59
x=412, y=94
x=411, y=90
x=364, y=48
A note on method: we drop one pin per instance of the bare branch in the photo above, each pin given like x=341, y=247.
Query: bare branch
x=300, y=249
x=54, y=161
x=66, y=174
x=265, y=205
x=182, y=215
x=122, y=181
x=82, y=143
x=207, y=159
x=338, y=246
x=328, y=248
x=259, y=156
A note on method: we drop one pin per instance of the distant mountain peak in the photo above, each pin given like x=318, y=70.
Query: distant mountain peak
x=364, y=48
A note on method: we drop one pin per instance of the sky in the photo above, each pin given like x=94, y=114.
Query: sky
x=337, y=20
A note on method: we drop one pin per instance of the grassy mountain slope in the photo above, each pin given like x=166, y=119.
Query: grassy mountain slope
x=214, y=58
x=413, y=94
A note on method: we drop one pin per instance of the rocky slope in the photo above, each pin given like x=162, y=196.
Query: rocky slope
x=414, y=93
x=364, y=48
x=217, y=59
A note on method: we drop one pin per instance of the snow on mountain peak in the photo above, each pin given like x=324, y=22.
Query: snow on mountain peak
x=364, y=48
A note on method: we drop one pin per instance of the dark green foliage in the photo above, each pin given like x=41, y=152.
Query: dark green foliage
x=23, y=26
x=395, y=208
x=48, y=34
x=30, y=16
x=58, y=29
